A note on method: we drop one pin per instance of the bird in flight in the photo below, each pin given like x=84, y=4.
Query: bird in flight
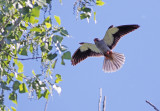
x=113, y=61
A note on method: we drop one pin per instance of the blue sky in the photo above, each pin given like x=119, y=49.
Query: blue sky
x=127, y=89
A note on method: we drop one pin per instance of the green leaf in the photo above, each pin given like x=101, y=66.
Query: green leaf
x=64, y=32
x=24, y=10
x=15, y=61
x=49, y=71
x=54, y=64
x=31, y=48
x=48, y=1
x=94, y=16
x=11, y=74
x=60, y=1
x=46, y=94
x=36, y=29
x=58, y=20
x=19, y=64
x=67, y=55
x=100, y=2
x=16, y=85
x=20, y=67
x=48, y=25
x=36, y=38
x=62, y=61
x=36, y=11
x=38, y=75
x=44, y=55
x=33, y=73
x=48, y=19
x=51, y=56
x=36, y=21
x=33, y=20
x=20, y=77
x=84, y=15
x=22, y=27
x=38, y=92
x=57, y=38
x=58, y=76
x=9, y=58
x=13, y=109
x=23, y=88
x=35, y=85
x=4, y=86
x=13, y=97
x=85, y=9
x=9, y=79
x=23, y=51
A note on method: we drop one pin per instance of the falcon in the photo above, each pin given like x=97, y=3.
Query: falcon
x=113, y=61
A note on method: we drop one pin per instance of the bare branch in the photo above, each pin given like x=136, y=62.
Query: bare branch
x=104, y=103
x=45, y=109
x=28, y=58
x=152, y=105
x=100, y=99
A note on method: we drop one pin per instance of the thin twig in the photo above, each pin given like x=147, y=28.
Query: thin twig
x=104, y=103
x=100, y=99
x=45, y=109
x=152, y=105
x=21, y=58
x=28, y=58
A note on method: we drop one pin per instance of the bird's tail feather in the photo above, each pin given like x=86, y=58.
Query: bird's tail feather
x=114, y=62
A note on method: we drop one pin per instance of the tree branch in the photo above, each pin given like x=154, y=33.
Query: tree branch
x=45, y=109
x=104, y=103
x=100, y=99
x=28, y=58
x=152, y=105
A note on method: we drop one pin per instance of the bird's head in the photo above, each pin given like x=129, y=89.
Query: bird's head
x=96, y=40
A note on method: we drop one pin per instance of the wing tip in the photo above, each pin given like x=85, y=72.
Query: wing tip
x=81, y=43
x=110, y=27
x=136, y=26
x=73, y=62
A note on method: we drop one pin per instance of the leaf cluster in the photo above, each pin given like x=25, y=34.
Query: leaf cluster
x=24, y=36
x=85, y=10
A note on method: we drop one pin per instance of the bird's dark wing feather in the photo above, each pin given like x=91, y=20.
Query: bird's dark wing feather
x=113, y=34
x=86, y=50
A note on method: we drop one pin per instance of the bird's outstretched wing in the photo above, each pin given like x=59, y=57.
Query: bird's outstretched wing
x=84, y=51
x=113, y=34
